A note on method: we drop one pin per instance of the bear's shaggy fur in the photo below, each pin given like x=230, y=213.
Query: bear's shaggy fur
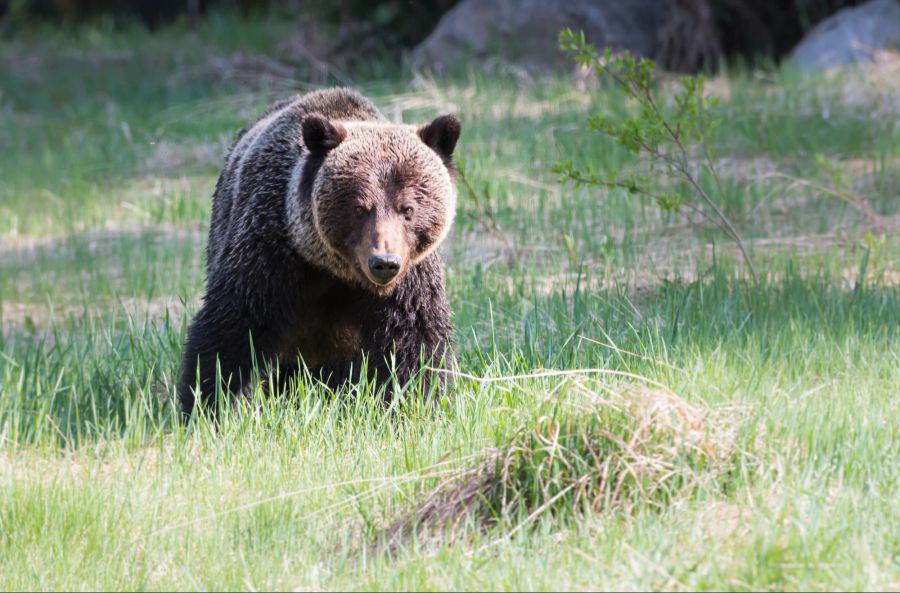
x=318, y=186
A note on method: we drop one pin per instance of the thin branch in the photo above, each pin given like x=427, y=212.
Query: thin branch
x=854, y=200
x=685, y=171
x=620, y=185
x=734, y=234
x=678, y=166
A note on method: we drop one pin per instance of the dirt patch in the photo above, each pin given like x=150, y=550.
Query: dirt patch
x=86, y=463
x=170, y=159
x=248, y=70
x=887, y=275
x=744, y=169
x=34, y=317
x=19, y=248
x=873, y=86
x=13, y=245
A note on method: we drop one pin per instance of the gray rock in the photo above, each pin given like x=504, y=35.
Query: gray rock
x=527, y=31
x=851, y=35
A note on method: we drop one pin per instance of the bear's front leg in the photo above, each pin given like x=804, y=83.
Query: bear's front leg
x=217, y=344
x=414, y=333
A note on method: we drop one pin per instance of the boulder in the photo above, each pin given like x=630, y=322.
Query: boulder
x=527, y=31
x=851, y=35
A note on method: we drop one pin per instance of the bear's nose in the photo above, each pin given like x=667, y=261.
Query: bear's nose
x=384, y=267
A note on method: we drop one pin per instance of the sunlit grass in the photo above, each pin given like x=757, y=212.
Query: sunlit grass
x=565, y=302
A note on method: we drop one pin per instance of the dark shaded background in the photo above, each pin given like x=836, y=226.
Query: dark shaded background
x=747, y=29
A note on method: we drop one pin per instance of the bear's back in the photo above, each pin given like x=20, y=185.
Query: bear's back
x=259, y=165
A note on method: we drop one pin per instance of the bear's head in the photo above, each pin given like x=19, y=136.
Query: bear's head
x=382, y=197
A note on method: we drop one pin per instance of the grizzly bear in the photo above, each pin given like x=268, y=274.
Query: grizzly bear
x=322, y=250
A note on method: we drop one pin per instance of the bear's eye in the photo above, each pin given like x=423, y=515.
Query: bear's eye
x=360, y=211
x=407, y=212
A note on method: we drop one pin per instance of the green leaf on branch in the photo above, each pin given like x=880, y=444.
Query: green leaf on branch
x=668, y=136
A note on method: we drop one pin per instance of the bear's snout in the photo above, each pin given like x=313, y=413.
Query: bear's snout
x=384, y=267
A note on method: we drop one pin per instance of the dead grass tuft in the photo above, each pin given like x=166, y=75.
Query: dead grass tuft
x=617, y=449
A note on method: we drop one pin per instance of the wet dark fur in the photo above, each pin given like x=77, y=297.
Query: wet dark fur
x=258, y=285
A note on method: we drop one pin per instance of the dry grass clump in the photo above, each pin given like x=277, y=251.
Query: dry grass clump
x=619, y=449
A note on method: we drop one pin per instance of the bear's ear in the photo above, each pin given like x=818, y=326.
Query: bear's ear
x=441, y=134
x=321, y=135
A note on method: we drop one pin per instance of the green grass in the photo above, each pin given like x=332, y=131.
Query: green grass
x=569, y=303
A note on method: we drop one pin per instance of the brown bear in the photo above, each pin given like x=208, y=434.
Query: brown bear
x=322, y=250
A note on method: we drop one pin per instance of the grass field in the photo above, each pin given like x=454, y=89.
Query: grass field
x=633, y=411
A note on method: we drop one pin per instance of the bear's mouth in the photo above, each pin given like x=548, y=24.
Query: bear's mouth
x=381, y=286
